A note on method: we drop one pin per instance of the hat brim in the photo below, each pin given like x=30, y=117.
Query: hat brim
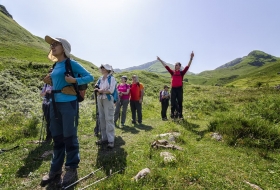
x=50, y=40
x=106, y=67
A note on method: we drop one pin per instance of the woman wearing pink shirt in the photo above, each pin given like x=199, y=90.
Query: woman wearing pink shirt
x=177, y=77
x=123, y=90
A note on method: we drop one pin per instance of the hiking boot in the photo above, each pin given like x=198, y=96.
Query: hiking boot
x=51, y=176
x=101, y=142
x=110, y=145
x=122, y=124
x=69, y=177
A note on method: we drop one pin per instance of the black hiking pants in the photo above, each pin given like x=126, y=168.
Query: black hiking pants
x=46, y=111
x=135, y=106
x=177, y=100
x=164, y=107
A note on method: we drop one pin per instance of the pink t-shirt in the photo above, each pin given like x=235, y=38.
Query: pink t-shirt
x=124, y=88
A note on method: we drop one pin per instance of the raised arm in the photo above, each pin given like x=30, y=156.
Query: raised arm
x=191, y=58
x=162, y=62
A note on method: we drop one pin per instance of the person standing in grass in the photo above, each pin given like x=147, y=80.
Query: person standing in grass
x=177, y=85
x=106, y=85
x=123, y=90
x=64, y=113
x=136, y=99
x=46, y=94
x=164, y=99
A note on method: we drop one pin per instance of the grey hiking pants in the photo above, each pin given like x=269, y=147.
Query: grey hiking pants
x=106, y=111
x=124, y=105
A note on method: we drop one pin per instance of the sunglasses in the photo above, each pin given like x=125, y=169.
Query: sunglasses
x=55, y=44
x=101, y=67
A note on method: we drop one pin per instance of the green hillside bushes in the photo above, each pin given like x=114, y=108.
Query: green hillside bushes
x=255, y=124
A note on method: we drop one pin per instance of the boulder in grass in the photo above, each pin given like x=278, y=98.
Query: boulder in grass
x=217, y=136
x=168, y=157
x=164, y=144
x=142, y=174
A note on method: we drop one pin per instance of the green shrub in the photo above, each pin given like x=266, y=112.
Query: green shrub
x=242, y=130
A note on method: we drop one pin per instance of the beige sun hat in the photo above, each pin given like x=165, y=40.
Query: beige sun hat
x=65, y=44
x=107, y=67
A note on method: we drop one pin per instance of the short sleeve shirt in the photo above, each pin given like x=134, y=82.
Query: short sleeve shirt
x=135, y=91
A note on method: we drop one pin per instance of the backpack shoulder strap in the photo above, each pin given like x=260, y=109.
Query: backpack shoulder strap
x=68, y=67
x=109, y=79
x=54, y=65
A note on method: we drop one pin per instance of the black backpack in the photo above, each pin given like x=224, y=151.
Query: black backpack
x=80, y=89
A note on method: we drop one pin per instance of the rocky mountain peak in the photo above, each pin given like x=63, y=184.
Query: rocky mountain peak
x=4, y=10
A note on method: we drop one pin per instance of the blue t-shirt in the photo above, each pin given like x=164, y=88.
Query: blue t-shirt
x=58, y=79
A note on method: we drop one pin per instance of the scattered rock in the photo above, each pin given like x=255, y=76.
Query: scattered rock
x=165, y=144
x=167, y=157
x=176, y=134
x=172, y=136
x=217, y=136
x=277, y=87
x=142, y=174
x=253, y=185
x=46, y=153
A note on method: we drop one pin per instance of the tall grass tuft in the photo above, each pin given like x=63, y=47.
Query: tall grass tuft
x=243, y=130
x=19, y=127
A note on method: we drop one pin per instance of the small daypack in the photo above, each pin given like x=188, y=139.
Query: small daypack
x=160, y=96
x=115, y=94
x=80, y=89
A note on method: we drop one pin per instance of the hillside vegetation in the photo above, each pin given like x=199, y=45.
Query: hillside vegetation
x=258, y=67
x=245, y=120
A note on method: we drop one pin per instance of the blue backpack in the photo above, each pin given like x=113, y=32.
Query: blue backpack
x=115, y=93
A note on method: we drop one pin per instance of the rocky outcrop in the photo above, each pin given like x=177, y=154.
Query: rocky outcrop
x=231, y=63
x=5, y=12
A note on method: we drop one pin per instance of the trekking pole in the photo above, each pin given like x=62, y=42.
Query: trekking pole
x=101, y=179
x=5, y=150
x=96, y=128
x=41, y=132
x=82, y=178
x=121, y=107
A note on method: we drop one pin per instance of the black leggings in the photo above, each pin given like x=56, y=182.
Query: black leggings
x=177, y=100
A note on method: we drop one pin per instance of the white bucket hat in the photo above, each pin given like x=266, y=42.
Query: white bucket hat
x=107, y=67
x=65, y=44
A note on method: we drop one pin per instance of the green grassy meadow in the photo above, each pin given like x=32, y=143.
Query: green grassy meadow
x=204, y=163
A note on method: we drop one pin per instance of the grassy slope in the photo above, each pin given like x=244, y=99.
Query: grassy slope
x=23, y=64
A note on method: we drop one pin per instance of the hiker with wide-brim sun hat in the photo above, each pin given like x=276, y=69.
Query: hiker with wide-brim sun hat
x=124, y=90
x=105, y=87
x=64, y=112
x=177, y=84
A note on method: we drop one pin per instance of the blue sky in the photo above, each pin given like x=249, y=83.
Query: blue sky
x=127, y=33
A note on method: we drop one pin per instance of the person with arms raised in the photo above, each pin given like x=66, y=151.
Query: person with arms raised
x=177, y=85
